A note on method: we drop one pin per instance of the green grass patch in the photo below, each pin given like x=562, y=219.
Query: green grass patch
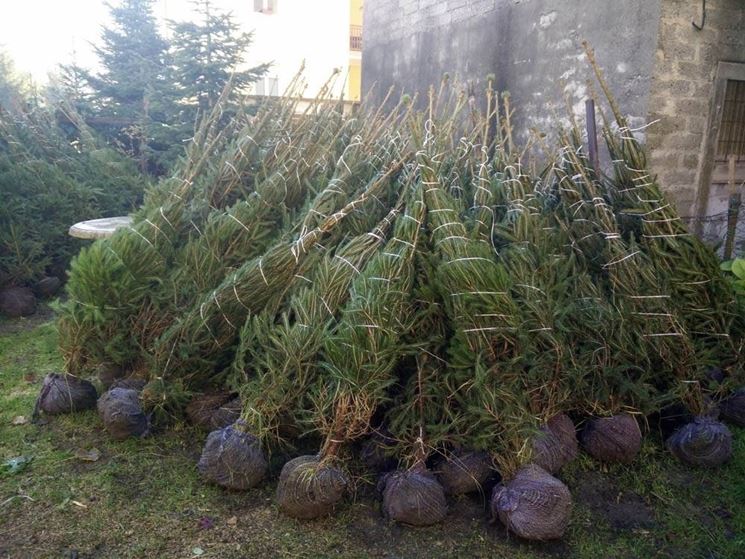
x=143, y=498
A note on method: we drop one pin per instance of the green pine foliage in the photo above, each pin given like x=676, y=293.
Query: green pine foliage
x=409, y=272
x=48, y=184
x=207, y=55
x=151, y=92
x=362, y=353
x=133, y=94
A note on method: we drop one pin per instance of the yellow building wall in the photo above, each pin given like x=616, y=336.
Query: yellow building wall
x=354, y=81
x=355, y=12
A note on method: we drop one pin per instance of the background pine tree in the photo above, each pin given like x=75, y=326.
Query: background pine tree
x=12, y=88
x=133, y=97
x=207, y=55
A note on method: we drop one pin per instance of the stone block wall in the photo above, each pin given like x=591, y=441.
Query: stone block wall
x=659, y=67
x=533, y=47
x=682, y=95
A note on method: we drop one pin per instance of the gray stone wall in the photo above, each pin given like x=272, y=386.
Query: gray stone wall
x=682, y=94
x=659, y=67
x=532, y=46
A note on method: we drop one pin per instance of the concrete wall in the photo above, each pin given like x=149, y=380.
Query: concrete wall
x=659, y=66
x=532, y=46
x=683, y=97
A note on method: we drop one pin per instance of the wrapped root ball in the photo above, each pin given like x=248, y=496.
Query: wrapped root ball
x=414, y=497
x=227, y=414
x=534, y=504
x=556, y=445
x=612, y=439
x=201, y=409
x=465, y=472
x=733, y=408
x=122, y=414
x=703, y=442
x=62, y=393
x=135, y=384
x=308, y=488
x=48, y=286
x=110, y=373
x=376, y=451
x=16, y=302
x=233, y=458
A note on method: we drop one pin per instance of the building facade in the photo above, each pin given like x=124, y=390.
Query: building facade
x=322, y=36
x=688, y=79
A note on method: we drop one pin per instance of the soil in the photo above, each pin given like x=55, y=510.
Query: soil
x=308, y=489
x=61, y=393
x=464, y=473
x=42, y=315
x=232, y=458
x=622, y=510
x=733, y=408
x=414, y=497
x=121, y=414
x=533, y=504
x=703, y=442
x=612, y=439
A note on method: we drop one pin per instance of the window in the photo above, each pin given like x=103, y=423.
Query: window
x=355, y=37
x=267, y=86
x=265, y=6
x=731, y=139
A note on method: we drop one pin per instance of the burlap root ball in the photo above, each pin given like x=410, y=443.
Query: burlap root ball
x=376, y=452
x=703, y=442
x=136, y=384
x=16, y=302
x=464, y=472
x=213, y=410
x=232, y=458
x=612, y=439
x=534, y=504
x=122, y=414
x=227, y=414
x=733, y=408
x=63, y=393
x=109, y=373
x=556, y=445
x=309, y=489
x=413, y=497
x=48, y=286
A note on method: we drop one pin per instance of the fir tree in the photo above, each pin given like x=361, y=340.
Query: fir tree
x=131, y=94
x=71, y=85
x=207, y=55
x=11, y=84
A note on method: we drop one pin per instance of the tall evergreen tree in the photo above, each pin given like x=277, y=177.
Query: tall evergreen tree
x=131, y=93
x=209, y=53
x=12, y=90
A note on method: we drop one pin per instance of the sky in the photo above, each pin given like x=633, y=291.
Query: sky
x=39, y=34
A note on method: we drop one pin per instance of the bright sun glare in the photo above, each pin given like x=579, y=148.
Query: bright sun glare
x=40, y=34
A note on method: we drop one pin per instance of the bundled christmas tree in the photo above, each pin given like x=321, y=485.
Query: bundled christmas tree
x=409, y=288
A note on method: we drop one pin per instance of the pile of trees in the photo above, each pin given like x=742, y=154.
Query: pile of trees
x=408, y=287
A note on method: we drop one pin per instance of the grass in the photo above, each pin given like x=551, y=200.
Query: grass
x=143, y=498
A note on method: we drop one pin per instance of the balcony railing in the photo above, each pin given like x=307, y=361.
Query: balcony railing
x=355, y=37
